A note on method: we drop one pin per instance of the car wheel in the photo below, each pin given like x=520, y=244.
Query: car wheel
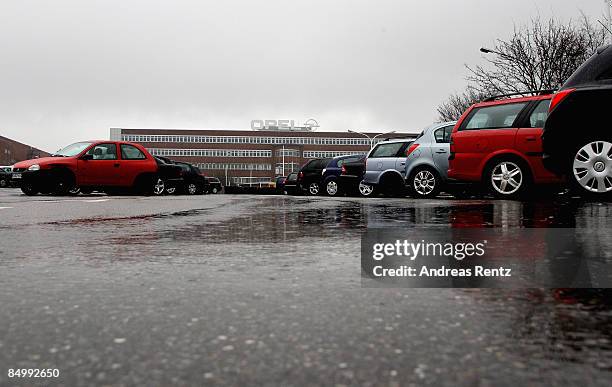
x=366, y=189
x=592, y=168
x=507, y=179
x=192, y=188
x=29, y=189
x=313, y=189
x=158, y=186
x=3, y=183
x=332, y=188
x=424, y=183
x=215, y=190
x=74, y=191
x=64, y=183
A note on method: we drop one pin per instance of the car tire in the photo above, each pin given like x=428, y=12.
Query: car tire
x=64, y=183
x=192, y=189
x=366, y=190
x=29, y=189
x=332, y=188
x=392, y=185
x=507, y=178
x=424, y=183
x=590, y=170
x=314, y=189
x=214, y=190
x=158, y=186
x=3, y=183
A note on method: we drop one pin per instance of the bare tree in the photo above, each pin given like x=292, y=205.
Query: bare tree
x=540, y=56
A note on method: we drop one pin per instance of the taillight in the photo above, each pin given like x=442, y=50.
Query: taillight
x=558, y=97
x=411, y=149
x=300, y=175
x=343, y=170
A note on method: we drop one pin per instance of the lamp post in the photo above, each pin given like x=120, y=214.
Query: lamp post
x=371, y=138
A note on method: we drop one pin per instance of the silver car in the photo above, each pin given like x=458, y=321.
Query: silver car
x=385, y=168
x=427, y=161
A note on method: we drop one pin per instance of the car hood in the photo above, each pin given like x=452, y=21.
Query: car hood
x=40, y=161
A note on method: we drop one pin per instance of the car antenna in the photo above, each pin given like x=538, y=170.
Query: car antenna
x=604, y=26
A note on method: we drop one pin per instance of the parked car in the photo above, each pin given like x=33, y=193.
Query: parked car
x=5, y=176
x=89, y=165
x=279, y=184
x=309, y=176
x=427, y=161
x=191, y=182
x=330, y=175
x=214, y=185
x=386, y=166
x=351, y=178
x=577, y=141
x=498, y=143
x=290, y=185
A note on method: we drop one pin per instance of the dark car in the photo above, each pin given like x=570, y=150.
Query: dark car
x=332, y=172
x=5, y=176
x=351, y=178
x=192, y=180
x=214, y=185
x=311, y=174
x=290, y=185
x=280, y=184
x=577, y=141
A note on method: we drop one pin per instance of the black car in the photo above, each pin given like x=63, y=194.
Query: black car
x=309, y=177
x=290, y=185
x=192, y=181
x=214, y=185
x=351, y=177
x=5, y=176
x=577, y=141
x=170, y=172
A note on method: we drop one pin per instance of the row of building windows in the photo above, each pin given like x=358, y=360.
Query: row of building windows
x=235, y=166
x=288, y=153
x=248, y=140
x=210, y=152
x=324, y=154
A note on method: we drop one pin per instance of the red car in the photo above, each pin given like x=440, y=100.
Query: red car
x=498, y=142
x=91, y=165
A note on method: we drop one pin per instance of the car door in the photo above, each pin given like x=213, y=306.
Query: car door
x=133, y=162
x=99, y=166
x=486, y=129
x=440, y=147
x=529, y=138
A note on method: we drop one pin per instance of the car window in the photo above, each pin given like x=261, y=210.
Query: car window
x=442, y=135
x=386, y=150
x=130, y=152
x=103, y=152
x=494, y=117
x=538, y=117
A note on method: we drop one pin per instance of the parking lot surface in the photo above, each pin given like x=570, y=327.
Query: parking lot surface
x=266, y=290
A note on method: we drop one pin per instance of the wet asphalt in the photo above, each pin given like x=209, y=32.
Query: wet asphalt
x=266, y=290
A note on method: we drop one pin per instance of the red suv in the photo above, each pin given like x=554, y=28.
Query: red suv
x=89, y=165
x=499, y=143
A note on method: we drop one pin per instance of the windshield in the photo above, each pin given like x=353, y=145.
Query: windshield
x=73, y=149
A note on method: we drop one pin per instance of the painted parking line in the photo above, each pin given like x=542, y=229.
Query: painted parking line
x=95, y=200
x=5, y=208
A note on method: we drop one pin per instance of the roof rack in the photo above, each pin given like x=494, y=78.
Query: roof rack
x=534, y=92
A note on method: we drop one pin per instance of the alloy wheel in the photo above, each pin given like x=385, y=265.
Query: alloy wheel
x=192, y=189
x=158, y=187
x=365, y=189
x=424, y=182
x=313, y=189
x=171, y=190
x=507, y=178
x=332, y=188
x=592, y=166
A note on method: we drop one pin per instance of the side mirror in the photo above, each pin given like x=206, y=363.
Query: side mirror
x=87, y=157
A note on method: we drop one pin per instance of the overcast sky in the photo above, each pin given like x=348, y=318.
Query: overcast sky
x=71, y=69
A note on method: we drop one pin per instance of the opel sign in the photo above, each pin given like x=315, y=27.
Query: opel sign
x=308, y=125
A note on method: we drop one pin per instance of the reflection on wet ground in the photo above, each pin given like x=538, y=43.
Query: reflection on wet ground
x=307, y=249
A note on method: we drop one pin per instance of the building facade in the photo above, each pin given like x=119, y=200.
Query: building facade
x=243, y=156
x=12, y=151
